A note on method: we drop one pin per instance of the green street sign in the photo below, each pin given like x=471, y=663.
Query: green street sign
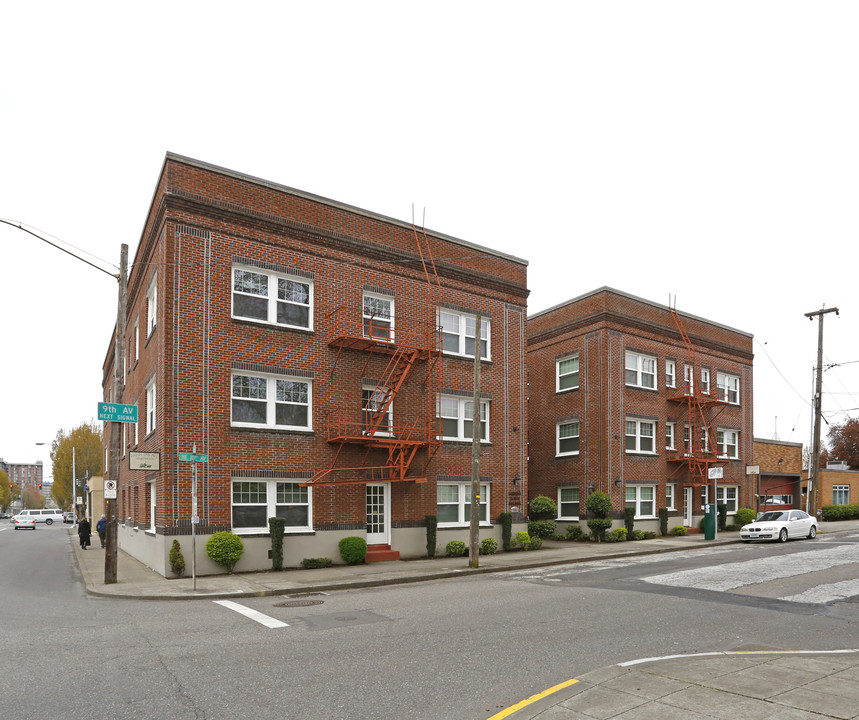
x=117, y=412
x=193, y=457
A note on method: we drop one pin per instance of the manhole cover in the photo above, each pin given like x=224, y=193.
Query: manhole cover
x=299, y=603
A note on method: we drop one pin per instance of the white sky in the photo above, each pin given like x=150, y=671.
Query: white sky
x=707, y=151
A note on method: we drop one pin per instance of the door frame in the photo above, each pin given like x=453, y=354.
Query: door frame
x=382, y=538
x=688, y=494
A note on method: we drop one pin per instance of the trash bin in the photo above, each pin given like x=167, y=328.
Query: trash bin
x=710, y=521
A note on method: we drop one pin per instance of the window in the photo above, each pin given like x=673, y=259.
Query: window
x=151, y=305
x=378, y=317
x=840, y=495
x=640, y=436
x=689, y=379
x=671, y=373
x=453, y=504
x=372, y=400
x=568, y=503
x=777, y=500
x=150, y=407
x=670, y=428
x=670, y=494
x=640, y=370
x=642, y=499
x=457, y=334
x=567, y=374
x=136, y=339
x=271, y=401
x=567, y=438
x=255, y=501
x=727, y=495
x=457, y=418
x=705, y=381
x=727, y=443
x=729, y=388
x=152, y=505
x=272, y=297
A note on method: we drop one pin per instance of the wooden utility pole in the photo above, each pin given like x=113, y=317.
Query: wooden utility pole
x=116, y=428
x=813, y=500
x=474, y=526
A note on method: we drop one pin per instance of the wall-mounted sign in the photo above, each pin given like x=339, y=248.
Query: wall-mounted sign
x=144, y=461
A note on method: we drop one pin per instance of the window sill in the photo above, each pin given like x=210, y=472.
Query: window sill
x=265, y=532
x=642, y=387
x=461, y=526
x=642, y=453
x=270, y=325
x=569, y=454
x=566, y=390
x=279, y=430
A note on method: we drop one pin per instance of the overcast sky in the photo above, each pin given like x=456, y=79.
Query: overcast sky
x=707, y=151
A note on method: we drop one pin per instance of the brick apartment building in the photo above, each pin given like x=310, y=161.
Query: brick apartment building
x=322, y=357
x=26, y=476
x=621, y=402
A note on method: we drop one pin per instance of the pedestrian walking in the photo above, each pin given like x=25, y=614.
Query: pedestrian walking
x=101, y=529
x=84, y=532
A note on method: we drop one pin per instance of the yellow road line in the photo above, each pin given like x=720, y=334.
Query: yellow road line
x=534, y=698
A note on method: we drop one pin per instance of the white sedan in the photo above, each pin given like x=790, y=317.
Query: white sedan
x=781, y=525
x=24, y=521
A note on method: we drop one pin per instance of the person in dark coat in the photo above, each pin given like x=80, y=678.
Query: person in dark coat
x=84, y=532
x=101, y=529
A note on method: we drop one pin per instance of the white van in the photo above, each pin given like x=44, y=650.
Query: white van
x=48, y=516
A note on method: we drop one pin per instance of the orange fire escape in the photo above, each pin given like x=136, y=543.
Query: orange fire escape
x=700, y=409
x=390, y=450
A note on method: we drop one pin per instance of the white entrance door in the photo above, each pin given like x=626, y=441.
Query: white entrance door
x=378, y=514
x=687, y=506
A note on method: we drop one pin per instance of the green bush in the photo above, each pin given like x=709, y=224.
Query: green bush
x=598, y=504
x=353, y=550
x=315, y=563
x=616, y=535
x=629, y=520
x=535, y=543
x=543, y=508
x=745, y=516
x=598, y=527
x=276, y=526
x=432, y=528
x=505, y=519
x=456, y=548
x=225, y=549
x=649, y=535
x=663, y=521
x=177, y=560
x=722, y=516
x=640, y=535
x=574, y=532
x=833, y=513
x=522, y=539
x=678, y=530
x=488, y=546
x=542, y=528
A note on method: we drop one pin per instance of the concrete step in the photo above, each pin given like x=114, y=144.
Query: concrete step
x=381, y=553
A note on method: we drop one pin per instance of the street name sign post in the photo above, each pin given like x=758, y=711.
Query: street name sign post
x=194, y=457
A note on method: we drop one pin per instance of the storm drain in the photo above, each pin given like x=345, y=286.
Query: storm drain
x=299, y=603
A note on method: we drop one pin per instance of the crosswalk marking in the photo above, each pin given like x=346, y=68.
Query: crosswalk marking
x=827, y=593
x=269, y=622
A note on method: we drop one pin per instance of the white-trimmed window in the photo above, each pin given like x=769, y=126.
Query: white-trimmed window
x=689, y=379
x=457, y=418
x=136, y=339
x=567, y=436
x=640, y=436
x=640, y=370
x=671, y=373
x=728, y=443
x=727, y=495
x=453, y=504
x=779, y=500
x=705, y=381
x=151, y=416
x=567, y=374
x=372, y=399
x=568, y=503
x=642, y=499
x=152, y=506
x=840, y=494
x=271, y=401
x=670, y=439
x=458, y=334
x=152, y=305
x=729, y=388
x=271, y=297
x=378, y=313
x=255, y=501
x=670, y=495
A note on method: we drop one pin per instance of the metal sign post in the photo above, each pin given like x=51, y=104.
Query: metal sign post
x=194, y=458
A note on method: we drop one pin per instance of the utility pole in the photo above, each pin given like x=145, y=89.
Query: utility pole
x=474, y=526
x=814, y=476
x=110, y=506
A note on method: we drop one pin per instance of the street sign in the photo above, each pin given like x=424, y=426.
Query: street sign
x=193, y=457
x=111, y=412
x=110, y=489
x=144, y=461
x=715, y=473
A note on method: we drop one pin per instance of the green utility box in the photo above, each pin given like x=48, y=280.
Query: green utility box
x=710, y=521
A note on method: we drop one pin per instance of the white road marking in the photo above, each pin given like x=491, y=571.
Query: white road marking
x=269, y=622
x=827, y=593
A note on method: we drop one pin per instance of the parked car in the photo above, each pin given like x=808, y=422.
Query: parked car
x=781, y=525
x=69, y=517
x=24, y=521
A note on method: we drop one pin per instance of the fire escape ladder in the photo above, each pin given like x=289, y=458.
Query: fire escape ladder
x=398, y=369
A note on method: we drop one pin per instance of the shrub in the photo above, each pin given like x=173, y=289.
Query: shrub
x=663, y=521
x=432, y=528
x=225, y=549
x=314, y=563
x=745, y=516
x=456, y=548
x=542, y=528
x=598, y=528
x=535, y=543
x=523, y=539
x=353, y=550
x=275, y=528
x=616, y=535
x=177, y=561
x=629, y=520
x=543, y=508
x=598, y=504
x=678, y=530
x=834, y=513
x=722, y=519
x=640, y=535
x=505, y=519
x=574, y=532
x=488, y=546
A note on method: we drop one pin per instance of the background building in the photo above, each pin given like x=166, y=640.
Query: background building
x=780, y=481
x=26, y=476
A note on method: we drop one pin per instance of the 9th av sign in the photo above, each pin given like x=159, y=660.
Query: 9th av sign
x=111, y=412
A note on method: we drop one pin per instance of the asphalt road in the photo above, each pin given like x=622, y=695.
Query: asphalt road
x=461, y=648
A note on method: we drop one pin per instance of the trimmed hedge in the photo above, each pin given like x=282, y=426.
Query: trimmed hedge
x=225, y=549
x=276, y=526
x=840, y=512
x=353, y=550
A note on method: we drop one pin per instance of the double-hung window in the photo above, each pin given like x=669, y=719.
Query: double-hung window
x=567, y=374
x=727, y=495
x=152, y=305
x=568, y=503
x=670, y=493
x=271, y=401
x=671, y=373
x=453, y=504
x=642, y=499
x=255, y=501
x=729, y=388
x=272, y=296
x=640, y=370
x=378, y=313
x=670, y=428
x=567, y=438
x=840, y=494
x=728, y=443
x=640, y=436
x=372, y=406
x=689, y=379
x=150, y=407
x=457, y=418
x=705, y=381
x=458, y=332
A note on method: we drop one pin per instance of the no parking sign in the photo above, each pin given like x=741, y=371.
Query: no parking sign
x=110, y=489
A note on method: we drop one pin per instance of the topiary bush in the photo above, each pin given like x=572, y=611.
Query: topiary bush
x=542, y=528
x=432, y=534
x=488, y=546
x=629, y=520
x=745, y=516
x=225, y=548
x=315, y=563
x=505, y=519
x=678, y=530
x=598, y=504
x=663, y=521
x=456, y=548
x=722, y=516
x=543, y=508
x=574, y=532
x=598, y=527
x=177, y=560
x=276, y=526
x=353, y=550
